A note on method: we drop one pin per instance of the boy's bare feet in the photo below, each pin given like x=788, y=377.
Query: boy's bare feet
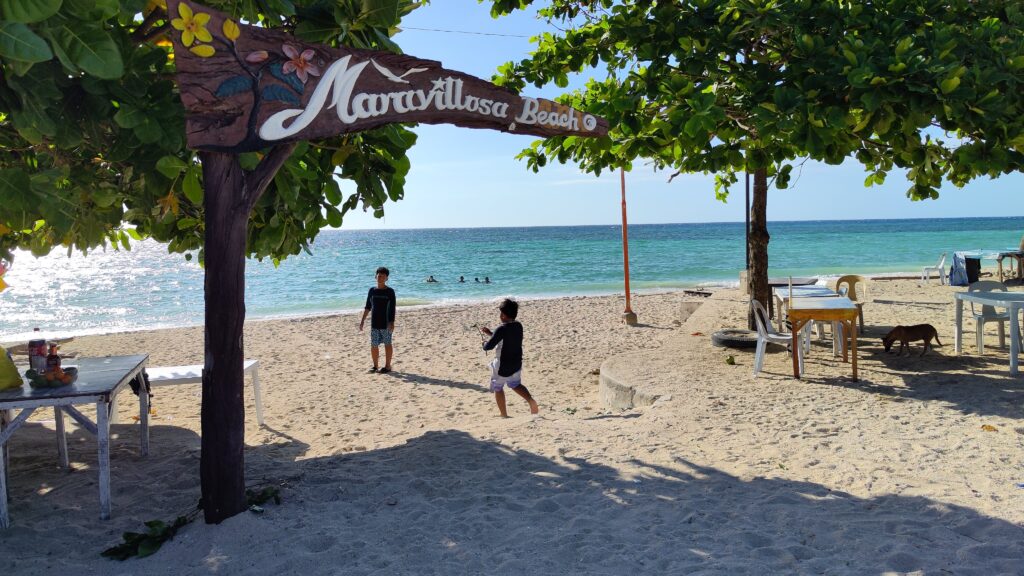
x=534, y=408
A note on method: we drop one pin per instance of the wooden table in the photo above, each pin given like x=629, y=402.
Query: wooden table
x=825, y=309
x=99, y=381
x=1012, y=301
x=1016, y=257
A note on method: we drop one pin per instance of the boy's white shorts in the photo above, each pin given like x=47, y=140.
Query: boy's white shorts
x=498, y=381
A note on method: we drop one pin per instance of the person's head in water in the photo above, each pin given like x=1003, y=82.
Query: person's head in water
x=476, y=279
x=509, y=309
x=487, y=279
x=461, y=279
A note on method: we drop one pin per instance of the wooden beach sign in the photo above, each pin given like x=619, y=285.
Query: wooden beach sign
x=246, y=88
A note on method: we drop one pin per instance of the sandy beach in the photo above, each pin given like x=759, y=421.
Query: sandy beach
x=915, y=469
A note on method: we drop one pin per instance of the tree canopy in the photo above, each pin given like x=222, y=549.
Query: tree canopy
x=935, y=87
x=92, y=129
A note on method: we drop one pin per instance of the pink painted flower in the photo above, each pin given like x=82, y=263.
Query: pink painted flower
x=301, y=64
x=257, y=57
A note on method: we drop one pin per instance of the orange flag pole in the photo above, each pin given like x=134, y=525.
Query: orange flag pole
x=628, y=316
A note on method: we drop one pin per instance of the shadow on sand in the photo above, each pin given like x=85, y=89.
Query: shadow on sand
x=449, y=503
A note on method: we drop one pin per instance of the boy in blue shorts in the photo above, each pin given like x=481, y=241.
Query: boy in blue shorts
x=380, y=306
x=506, y=368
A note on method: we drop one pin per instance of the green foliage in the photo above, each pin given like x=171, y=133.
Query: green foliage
x=722, y=86
x=92, y=148
x=254, y=497
x=143, y=544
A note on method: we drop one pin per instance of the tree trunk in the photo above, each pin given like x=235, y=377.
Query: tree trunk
x=757, y=244
x=222, y=463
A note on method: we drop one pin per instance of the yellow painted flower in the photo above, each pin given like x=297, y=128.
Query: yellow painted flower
x=202, y=50
x=192, y=26
x=231, y=30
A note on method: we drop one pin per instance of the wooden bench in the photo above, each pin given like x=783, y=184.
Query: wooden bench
x=167, y=375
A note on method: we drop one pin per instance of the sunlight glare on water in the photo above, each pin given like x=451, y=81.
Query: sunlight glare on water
x=110, y=291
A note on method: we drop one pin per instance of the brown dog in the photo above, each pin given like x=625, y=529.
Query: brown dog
x=907, y=334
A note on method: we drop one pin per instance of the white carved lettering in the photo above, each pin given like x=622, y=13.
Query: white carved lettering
x=339, y=80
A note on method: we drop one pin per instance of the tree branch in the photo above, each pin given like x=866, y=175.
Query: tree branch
x=155, y=32
x=256, y=182
x=142, y=33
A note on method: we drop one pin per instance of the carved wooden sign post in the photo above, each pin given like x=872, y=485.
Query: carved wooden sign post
x=245, y=88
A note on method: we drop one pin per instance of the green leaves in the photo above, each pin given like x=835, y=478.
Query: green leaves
x=89, y=48
x=171, y=166
x=20, y=44
x=728, y=85
x=28, y=11
x=191, y=187
x=142, y=544
x=949, y=84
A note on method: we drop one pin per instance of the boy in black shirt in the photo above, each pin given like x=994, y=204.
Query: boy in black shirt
x=381, y=302
x=506, y=368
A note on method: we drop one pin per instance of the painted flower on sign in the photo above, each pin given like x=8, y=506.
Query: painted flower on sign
x=300, y=64
x=192, y=25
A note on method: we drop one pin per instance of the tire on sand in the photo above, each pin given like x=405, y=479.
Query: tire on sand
x=734, y=338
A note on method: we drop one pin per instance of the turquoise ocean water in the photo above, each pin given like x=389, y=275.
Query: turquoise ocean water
x=149, y=288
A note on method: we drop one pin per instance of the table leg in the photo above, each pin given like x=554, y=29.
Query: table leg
x=62, y=438
x=853, y=347
x=5, y=417
x=777, y=313
x=143, y=415
x=257, y=393
x=847, y=333
x=958, y=333
x=5, y=522
x=1014, y=338
x=797, y=325
x=103, y=441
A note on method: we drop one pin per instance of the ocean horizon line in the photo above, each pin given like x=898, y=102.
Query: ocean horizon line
x=640, y=224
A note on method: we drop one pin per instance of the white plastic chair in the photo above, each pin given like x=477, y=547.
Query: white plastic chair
x=767, y=334
x=940, y=269
x=988, y=313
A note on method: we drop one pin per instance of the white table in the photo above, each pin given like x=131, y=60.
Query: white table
x=781, y=295
x=193, y=374
x=1012, y=301
x=99, y=381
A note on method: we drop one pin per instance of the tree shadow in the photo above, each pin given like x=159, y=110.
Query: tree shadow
x=987, y=388
x=448, y=503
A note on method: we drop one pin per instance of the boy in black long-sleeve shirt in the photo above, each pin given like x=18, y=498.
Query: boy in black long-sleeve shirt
x=506, y=368
x=381, y=302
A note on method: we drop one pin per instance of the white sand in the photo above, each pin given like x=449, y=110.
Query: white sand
x=413, y=473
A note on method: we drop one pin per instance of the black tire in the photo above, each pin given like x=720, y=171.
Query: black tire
x=734, y=338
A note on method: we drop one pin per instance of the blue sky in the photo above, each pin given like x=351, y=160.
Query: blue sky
x=467, y=178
